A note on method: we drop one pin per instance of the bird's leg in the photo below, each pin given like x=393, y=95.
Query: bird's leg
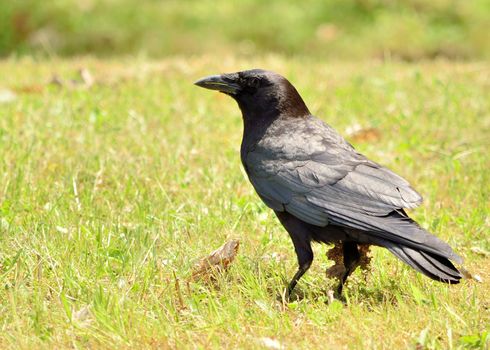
x=305, y=258
x=352, y=259
x=302, y=245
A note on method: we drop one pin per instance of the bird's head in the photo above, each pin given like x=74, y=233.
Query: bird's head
x=259, y=93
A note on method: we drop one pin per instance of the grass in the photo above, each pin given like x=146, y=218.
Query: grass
x=406, y=29
x=109, y=194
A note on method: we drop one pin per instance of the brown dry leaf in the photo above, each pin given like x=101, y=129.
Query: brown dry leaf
x=217, y=261
x=29, y=89
x=366, y=135
x=364, y=250
x=356, y=132
x=327, y=32
x=337, y=256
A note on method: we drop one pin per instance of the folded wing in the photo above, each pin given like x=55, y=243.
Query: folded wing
x=332, y=183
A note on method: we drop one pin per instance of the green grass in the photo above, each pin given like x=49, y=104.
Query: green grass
x=406, y=29
x=110, y=194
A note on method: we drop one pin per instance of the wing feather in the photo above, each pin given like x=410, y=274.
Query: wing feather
x=321, y=179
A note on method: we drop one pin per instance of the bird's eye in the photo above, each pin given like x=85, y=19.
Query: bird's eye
x=254, y=82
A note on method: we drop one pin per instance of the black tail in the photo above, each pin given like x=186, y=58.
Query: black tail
x=434, y=266
x=405, y=239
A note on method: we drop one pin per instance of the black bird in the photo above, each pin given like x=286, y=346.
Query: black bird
x=320, y=188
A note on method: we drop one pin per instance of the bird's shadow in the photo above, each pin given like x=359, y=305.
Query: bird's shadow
x=357, y=292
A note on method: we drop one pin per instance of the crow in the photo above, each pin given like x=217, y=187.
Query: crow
x=319, y=187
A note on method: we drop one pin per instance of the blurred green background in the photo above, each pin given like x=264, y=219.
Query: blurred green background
x=356, y=29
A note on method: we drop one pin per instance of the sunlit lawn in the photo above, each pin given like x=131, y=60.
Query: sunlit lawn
x=110, y=193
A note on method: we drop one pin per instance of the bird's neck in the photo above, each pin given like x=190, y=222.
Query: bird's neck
x=280, y=104
x=293, y=106
x=256, y=125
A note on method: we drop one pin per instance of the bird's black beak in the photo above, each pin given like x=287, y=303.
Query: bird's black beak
x=219, y=82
